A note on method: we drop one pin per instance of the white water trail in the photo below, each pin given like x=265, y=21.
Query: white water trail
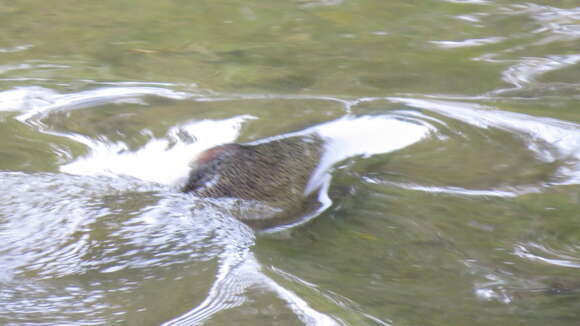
x=550, y=139
x=164, y=160
x=37, y=102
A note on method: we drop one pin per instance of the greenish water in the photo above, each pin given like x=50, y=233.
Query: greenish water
x=473, y=219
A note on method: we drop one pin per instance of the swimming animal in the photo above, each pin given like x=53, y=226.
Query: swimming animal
x=271, y=174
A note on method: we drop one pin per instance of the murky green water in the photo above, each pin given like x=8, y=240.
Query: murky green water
x=456, y=200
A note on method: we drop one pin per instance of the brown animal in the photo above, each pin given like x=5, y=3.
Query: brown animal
x=274, y=173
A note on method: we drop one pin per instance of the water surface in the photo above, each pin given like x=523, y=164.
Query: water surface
x=449, y=190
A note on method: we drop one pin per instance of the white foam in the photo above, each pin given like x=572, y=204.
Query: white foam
x=364, y=136
x=164, y=160
x=22, y=98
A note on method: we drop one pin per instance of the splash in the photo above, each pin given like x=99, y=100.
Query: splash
x=364, y=136
x=164, y=160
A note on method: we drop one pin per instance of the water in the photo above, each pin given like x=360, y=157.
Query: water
x=449, y=189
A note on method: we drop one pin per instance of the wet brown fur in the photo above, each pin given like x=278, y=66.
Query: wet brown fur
x=274, y=172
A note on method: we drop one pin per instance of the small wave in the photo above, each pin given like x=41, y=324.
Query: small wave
x=57, y=226
x=541, y=253
x=234, y=278
x=17, y=48
x=37, y=102
x=460, y=191
x=473, y=2
x=550, y=139
x=528, y=69
x=553, y=19
x=469, y=43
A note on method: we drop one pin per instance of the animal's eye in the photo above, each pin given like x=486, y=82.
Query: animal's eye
x=195, y=179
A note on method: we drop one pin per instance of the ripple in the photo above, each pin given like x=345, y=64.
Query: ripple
x=319, y=3
x=529, y=69
x=59, y=306
x=36, y=102
x=469, y=43
x=473, y=2
x=95, y=226
x=116, y=217
x=458, y=190
x=550, y=139
x=233, y=280
x=537, y=252
x=554, y=20
x=17, y=48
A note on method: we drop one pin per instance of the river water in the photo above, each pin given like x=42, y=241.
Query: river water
x=449, y=189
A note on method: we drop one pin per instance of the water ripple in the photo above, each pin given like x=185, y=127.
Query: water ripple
x=113, y=218
x=537, y=252
x=469, y=43
x=550, y=139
